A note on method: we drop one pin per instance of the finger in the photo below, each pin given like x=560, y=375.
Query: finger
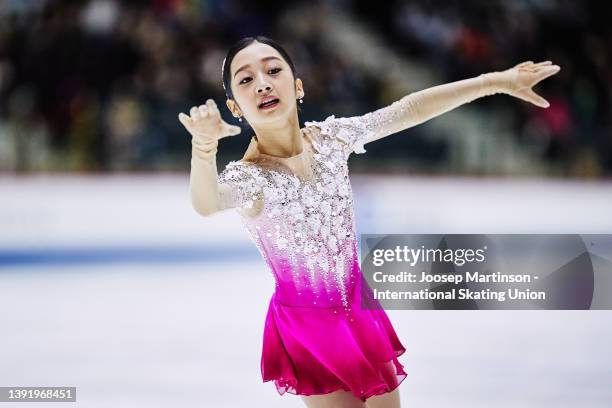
x=547, y=71
x=524, y=64
x=195, y=114
x=537, y=67
x=521, y=96
x=212, y=107
x=541, y=64
x=524, y=96
x=537, y=99
x=184, y=119
x=203, y=111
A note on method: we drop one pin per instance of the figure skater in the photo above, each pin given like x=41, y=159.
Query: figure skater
x=325, y=337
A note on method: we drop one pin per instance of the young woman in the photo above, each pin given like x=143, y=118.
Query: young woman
x=325, y=337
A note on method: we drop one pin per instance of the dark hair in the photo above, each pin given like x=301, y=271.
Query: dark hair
x=243, y=43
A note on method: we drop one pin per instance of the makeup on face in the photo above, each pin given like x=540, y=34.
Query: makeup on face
x=247, y=75
x=268, y=102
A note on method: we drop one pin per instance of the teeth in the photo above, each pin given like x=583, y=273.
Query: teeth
x=269, y=102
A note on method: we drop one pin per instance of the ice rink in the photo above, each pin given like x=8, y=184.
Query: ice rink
x=116, y=286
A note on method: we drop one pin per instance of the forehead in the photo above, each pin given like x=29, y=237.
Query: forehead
x=252, y=55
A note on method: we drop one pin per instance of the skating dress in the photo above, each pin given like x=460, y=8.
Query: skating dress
x=323, y=330
x=318, y=337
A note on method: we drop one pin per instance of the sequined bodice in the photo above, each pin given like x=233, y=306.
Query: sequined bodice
x=306, y=229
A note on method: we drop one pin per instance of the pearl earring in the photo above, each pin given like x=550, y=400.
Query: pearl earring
x=240, y=119
x=301, y=101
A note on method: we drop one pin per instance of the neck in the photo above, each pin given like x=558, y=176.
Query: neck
x=283, y=140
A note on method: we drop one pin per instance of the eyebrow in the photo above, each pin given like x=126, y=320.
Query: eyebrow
x=247, y=65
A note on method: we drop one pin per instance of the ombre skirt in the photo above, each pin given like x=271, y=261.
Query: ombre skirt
x=313, y=351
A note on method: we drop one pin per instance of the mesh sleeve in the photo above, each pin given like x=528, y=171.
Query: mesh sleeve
x=353, y=132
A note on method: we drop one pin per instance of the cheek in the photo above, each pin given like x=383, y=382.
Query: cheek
x=284, y=88
x=238, y=91
x=241, y=97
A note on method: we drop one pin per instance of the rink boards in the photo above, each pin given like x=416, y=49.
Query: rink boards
x=116, y=286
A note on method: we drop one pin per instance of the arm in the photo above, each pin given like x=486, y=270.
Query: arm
x=208, y=193
x=355, y=131
x=235, y=187
x=421, y=106
x=203, y=183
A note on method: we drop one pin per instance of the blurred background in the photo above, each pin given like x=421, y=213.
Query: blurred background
x=97, y=85
x=109, y=280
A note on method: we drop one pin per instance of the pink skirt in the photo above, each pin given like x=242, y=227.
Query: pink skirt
x=313, y=351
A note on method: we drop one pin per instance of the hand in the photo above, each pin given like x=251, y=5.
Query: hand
x=206, y=125
x=518, y=80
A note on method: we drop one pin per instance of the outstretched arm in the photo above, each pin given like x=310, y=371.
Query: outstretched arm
x=418, y=107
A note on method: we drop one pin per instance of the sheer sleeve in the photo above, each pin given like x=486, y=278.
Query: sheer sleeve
x=411, y=110
x=239, y=186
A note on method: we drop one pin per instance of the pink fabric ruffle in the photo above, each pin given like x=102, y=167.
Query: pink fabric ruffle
x=313, y=351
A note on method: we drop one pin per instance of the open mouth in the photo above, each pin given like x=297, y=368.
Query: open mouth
x=269, y=104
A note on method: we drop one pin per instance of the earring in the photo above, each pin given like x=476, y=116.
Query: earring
x=301, y=101
x=240, y=119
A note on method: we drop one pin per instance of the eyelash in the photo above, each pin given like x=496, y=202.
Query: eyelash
x=272, y=69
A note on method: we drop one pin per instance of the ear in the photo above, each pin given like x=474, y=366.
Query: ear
x=299, y=88
x=231, y=105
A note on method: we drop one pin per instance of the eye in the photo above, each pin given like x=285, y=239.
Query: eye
x=272, y=69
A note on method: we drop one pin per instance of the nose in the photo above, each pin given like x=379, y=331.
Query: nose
x=262, y=86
